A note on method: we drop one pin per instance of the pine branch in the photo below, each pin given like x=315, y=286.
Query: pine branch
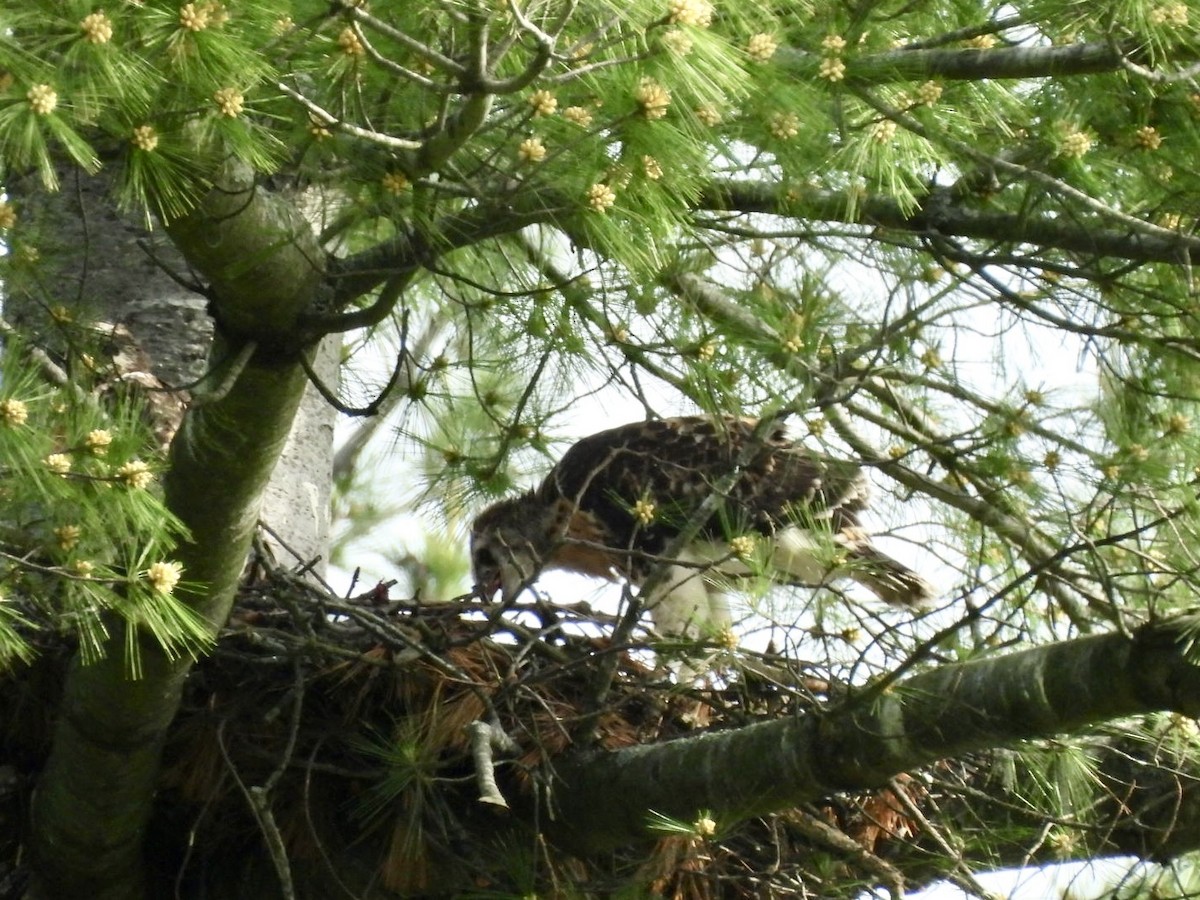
x=605, y=798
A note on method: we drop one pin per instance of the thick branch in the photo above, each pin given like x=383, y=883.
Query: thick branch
x=949, y=218
x=971, y=64
x=358, y=274
x=260, y=257
x=1056, y=689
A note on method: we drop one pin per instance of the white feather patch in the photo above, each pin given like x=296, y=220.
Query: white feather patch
x=794, y=553
x=801, y=556
x=691, y=601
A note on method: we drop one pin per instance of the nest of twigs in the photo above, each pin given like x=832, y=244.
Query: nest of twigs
x=327, y=743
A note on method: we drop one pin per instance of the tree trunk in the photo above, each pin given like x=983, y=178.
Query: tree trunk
x=94, y=796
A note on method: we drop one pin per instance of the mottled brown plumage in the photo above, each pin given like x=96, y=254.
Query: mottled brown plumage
x=617, y=500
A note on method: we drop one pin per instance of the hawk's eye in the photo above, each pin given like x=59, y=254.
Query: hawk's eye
x=485, y=560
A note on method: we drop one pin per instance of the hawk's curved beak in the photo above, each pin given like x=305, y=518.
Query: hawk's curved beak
x=487, y=591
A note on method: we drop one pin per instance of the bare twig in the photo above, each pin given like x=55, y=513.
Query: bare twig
x=485, y=739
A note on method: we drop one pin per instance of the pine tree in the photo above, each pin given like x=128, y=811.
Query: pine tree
x=951, y=241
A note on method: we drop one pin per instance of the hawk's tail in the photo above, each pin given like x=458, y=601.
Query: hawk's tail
x=890, y=580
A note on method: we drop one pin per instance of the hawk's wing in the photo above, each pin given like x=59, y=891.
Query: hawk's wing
x=674, y=465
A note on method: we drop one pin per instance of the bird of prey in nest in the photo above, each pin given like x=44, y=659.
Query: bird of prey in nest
x=616, y=503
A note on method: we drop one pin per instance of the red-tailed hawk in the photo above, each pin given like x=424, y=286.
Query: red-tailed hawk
x=617, y=500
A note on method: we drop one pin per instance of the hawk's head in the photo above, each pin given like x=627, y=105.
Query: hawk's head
x=509, y=544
